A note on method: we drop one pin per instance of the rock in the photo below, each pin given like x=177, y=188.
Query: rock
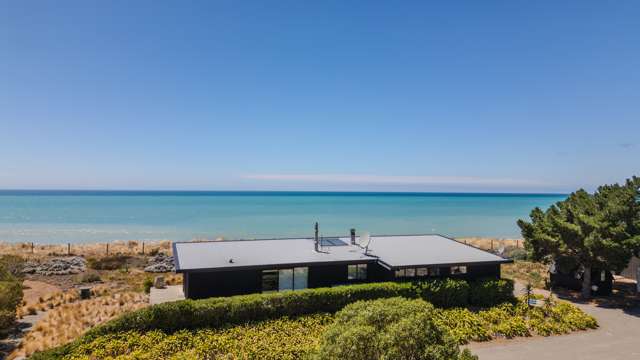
x=56, y=266
x=160, y=263
x=158, y=282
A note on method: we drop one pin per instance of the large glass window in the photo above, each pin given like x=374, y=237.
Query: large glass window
x=357, y=272
x=300, y=278
x=269, y=280
x=285, y=279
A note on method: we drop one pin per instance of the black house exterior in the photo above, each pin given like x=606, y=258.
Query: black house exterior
x=225, y=268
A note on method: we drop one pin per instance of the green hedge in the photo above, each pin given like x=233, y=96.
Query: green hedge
x=220, y=312
x=490, y=292
x=446, y=293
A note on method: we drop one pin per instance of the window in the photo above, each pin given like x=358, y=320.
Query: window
x=400, y=273
x=434, y=271
x=603, y=276
x=269, y=280
x=458, y=270
x=422, y=272
x=410, y=272
x=300, y=278
x=285, y=279
x=357, y=272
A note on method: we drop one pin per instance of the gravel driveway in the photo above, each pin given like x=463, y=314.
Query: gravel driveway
x=617, y=338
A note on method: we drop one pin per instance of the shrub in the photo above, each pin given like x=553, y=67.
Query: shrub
x=392, y=328
x=516, y=254
x=112, y=262
x=10, y=298
x=222, y=312
x=446, y=293
x=89, y=278
x=11, y=267
x=489, y=292
x=147, y=284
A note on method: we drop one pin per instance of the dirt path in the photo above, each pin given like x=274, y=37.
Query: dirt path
x=34, y=290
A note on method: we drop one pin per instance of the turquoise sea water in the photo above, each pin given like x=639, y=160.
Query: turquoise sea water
x=93, y=216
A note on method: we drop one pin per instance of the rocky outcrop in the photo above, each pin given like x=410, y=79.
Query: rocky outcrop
x=57, y=266
x=160, y=263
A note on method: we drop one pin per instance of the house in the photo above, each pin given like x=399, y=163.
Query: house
x=224, y=268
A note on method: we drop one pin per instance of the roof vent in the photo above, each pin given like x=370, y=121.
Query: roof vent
x=231, y=261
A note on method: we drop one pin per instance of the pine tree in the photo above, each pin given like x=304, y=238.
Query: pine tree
x=587, y=231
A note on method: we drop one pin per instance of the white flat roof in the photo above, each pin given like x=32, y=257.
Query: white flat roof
x=414, y=250
x=226, y=255
x=390, y=250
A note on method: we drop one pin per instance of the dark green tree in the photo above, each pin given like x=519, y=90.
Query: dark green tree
x=586, y=231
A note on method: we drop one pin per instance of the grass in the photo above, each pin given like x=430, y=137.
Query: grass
x=296, y=338
x=69, y=317
x=527, y=272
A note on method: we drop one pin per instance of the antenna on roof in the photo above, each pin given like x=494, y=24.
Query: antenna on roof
x=365, y=240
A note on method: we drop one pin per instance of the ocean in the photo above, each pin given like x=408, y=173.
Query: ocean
x=48, y=217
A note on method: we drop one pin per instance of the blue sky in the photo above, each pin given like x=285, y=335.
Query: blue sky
x=535, y=96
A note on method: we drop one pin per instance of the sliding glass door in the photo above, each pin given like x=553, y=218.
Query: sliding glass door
x=285, y=279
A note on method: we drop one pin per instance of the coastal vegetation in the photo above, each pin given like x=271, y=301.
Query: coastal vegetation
x=394, y=328
x=260, y=325
x=587, y=231
x=10, y=291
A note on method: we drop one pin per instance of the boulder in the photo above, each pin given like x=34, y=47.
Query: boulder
x=56, y=266
x=160, y=263
x=158, y=282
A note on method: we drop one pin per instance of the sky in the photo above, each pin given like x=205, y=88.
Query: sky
x=464, y=96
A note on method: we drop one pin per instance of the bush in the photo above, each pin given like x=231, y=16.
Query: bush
x=147, y=284
x=283, y=338
x=446, y=293
x=221, y=312
x=89, y=278
x=489, y=292
x=10, y=298
x=112, y=262
x=392, y=328
x=11, y=267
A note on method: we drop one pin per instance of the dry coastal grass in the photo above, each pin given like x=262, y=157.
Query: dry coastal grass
x=70, y=317
x=95, y=250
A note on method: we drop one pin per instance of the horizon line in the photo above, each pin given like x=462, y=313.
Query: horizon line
x=276, y=191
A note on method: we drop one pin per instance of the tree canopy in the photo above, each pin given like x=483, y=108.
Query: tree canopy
x=587, y=230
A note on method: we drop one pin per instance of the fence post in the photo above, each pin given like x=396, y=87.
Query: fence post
x=107, y=248
x=143, y=248
x=68, y=248
x=491, y=244
x=32, y=247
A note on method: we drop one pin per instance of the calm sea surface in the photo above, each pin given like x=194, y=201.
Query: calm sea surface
x=92, y=216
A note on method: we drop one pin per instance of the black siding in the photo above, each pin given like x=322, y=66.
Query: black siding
x=198, y=285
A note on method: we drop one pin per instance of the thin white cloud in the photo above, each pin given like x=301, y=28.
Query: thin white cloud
x=392, y=179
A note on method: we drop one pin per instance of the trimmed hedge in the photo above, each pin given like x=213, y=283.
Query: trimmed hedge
x=490, y=292
x=445, y=293
x=235, y=310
